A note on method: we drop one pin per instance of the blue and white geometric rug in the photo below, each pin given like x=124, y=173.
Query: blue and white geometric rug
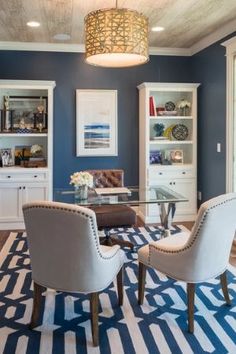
x=158, y=326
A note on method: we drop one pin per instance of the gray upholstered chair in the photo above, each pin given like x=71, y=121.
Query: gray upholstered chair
x=66, y=255
x=197, y=256
x=109, y=216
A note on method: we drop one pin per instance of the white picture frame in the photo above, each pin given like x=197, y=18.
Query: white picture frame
x=96, y=123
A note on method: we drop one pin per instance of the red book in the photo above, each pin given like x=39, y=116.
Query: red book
x=152, y=106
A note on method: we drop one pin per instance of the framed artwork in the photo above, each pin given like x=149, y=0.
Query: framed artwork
x=7, y=157
x=175, y=156
x=96, y=123
x=29, y=112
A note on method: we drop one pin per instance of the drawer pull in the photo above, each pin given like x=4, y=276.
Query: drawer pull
x=35, y=176
x=19, y=187
x=184, y=173
x=174, y=183
x=170, y=183
x=8, y=176
x=160, y=173
x=23, y=187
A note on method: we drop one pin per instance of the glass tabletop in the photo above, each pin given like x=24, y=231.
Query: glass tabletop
x=136, y=196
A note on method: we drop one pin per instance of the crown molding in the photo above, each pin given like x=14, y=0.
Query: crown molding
x=80, y=48
x=183, y=52
x=43, y=47
x=213, y=37
x=230, y=45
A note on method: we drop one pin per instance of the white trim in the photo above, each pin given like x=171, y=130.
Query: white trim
x=28, y=84
x=183, y=52
x=213, y=37
x=171, y=87
x=43, y=47
x=230, y=53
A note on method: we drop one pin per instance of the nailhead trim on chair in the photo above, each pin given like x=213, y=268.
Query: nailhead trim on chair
x=80, y=213
x=151, y=246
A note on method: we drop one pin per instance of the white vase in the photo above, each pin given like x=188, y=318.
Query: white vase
x=81, y=192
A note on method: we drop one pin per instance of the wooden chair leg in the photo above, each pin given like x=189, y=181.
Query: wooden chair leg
x=120, y=286
x=190, y=293
x=38, y=290
x=141, y=282
x=94, y=317
x=223, y=280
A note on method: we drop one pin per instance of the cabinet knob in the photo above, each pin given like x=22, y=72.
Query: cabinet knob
x=183, y=172
x=160, y=173
x=171, y=183
x=23, y=187
x=35, y=176
x=174, y=183
x=8, y=176
x=19, y=187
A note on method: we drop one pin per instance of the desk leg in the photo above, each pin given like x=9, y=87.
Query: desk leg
x=166, y=217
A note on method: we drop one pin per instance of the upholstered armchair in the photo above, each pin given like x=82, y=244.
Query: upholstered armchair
x=198, y=256
x=109, y=216
x=66, y=255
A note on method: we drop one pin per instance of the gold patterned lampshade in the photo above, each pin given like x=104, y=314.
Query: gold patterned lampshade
x=116, y=38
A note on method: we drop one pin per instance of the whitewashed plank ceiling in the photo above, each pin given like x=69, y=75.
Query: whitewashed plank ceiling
x=185, y=21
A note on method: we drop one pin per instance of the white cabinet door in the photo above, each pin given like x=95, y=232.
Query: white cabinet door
x=10, y=201
x=187, y=188
x=35, y=191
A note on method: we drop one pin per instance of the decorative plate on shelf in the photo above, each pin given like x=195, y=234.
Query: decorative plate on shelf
x=170, y=106
x=180, y=132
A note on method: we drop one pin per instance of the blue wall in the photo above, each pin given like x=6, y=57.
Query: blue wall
x=71, y=73
x=209, y=68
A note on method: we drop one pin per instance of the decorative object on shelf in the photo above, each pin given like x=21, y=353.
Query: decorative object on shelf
x=184, y=107
x=180, y=132
x=29, y=111
x=174, y=156
x=159, y=129
x=116, y=38
x=6, y=120
x=159, y=110
x=167, y=113
x=7, y=156
x=36, y=150
x=155, y=157
x=168, y=132
x=169, y=106
x=96, y=122
x=23, y=131
x=81, y=181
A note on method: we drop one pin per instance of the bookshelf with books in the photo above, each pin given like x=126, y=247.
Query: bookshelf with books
x=26, y=142
x=168, y=144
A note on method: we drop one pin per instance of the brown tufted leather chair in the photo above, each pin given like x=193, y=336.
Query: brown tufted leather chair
x=109, y=216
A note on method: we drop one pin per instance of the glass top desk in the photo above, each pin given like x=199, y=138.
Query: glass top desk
x=163, y=196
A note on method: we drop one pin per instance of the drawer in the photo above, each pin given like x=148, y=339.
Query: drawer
x=37, y=176
x=156, y=173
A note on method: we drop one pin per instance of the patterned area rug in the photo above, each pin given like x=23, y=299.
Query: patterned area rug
x=159, y=326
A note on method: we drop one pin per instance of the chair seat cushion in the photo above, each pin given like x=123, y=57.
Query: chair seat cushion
x=170, y=243
x=114, y=215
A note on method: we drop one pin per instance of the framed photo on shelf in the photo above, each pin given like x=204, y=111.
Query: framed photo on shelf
x=174, y=156
x=96, y=123
x=7, y=157
x=29, y=112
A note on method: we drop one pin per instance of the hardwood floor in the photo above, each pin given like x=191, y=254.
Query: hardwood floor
x=4, y=234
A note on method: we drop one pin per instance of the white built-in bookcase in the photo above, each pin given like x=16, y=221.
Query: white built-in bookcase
x=19, y=185
x=180, y=177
